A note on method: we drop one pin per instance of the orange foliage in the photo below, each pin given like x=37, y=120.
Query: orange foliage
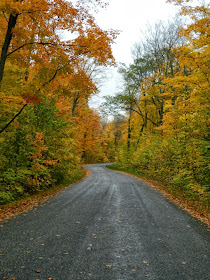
x=39, y=147
x=35, y=36
x=31, y=98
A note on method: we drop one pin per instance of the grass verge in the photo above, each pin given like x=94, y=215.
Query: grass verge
x=196, y=208
x=25, y=204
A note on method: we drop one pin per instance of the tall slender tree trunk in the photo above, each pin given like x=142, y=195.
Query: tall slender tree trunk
x=140, y=134
x=7, y=40
x=129, y=130
x=75, y=102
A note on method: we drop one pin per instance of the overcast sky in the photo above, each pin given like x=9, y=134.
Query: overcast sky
x=131, y=17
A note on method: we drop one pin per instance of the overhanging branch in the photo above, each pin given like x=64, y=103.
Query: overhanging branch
x=5, y=127
x=45, y=44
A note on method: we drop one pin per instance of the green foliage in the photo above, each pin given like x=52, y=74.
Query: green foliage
x=37, y=152
x=181, y=165
x=6, y=197
x=11, y=189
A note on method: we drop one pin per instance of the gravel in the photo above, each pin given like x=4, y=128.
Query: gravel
x=109, y=226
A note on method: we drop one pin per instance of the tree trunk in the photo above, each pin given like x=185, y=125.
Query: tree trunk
x=75, y=102
x=140, y=134
x=129, y=130
x=8, y=38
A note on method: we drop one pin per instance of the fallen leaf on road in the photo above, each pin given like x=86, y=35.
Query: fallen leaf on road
x=50, y=278
x=13, y=278
x=133, y=269
x=145, y=261
x=28, y=252
x=38, y=271
x=108, y=265
x=5, y=277
x=184, y=262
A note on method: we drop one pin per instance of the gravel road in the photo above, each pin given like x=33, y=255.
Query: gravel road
x=109, y=226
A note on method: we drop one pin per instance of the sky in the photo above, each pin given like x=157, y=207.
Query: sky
x=131, y=18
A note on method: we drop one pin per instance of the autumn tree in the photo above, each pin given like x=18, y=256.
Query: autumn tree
x=174, y=90
x=143, y=95
x=111, y=131
x=30, y=38
x=46, y=79
x=30, y=31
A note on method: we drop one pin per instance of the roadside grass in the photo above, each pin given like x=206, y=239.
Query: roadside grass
x=197, y=206
x=29, y=202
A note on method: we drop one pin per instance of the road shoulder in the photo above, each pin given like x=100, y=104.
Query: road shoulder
x=202, y=216
x=30, y=202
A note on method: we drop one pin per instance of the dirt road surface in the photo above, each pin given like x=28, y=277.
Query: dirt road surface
x=109, y=226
